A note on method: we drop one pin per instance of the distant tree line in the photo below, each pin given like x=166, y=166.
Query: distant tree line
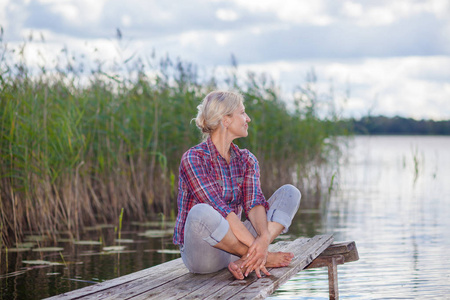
x=398, y=125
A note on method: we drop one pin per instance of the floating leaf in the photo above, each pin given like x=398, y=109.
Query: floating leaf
x=87, y=243
x=168, y=251
x=36, y=262
x=120, y=251
x=48, y=249
x=91, y=253
x=41, y=262
x=114, y=248
x=156, y=233
x=16, y=250
x=154, y=224
x=124, y=241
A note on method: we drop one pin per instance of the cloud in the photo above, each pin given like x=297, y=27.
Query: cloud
x=291, y=11
x=384, y=49
x=3, y=12
x=263, y=33
x=12, y=16
x=227, y=15
x=407, y=86
x=384, y=13
x=257, y=30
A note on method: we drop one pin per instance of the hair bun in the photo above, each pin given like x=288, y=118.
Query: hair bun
x=213, y=108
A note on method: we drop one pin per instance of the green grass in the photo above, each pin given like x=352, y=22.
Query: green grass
x=74, y=154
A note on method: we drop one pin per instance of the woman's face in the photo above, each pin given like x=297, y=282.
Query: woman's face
x=238, y=122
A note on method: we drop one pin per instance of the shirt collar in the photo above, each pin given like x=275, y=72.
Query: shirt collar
x=215, y=153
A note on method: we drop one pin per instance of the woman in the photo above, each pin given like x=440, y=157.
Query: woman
x=218, y=181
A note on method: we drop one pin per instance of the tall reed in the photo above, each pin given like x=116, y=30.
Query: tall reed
x=75, y=149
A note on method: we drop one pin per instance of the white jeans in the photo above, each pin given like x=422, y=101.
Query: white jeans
x=205, y=227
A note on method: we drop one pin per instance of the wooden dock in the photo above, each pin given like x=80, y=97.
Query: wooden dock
x=171, y=280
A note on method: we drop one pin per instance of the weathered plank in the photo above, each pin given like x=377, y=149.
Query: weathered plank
x=172, y=280
x=343, y=252
x=219, y=280
x=334, y=255
x=105, y=290
x=305, y=252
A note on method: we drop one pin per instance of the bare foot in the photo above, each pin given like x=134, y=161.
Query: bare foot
x=279, y=259
x=274, y=260
x=235, y=268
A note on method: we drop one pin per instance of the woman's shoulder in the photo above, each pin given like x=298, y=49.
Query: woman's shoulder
x=199, y=151
x=245, y=155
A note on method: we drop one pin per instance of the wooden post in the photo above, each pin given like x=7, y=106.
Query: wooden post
x=334, y=255
x=333, y=279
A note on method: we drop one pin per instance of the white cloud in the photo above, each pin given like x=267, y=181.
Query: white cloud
x=310, y=12
x=390, y=52
x=12, y=15
x=441, y=8
x=352, y=9
x=68, y=11
x=226, y=15
x=91, y=10
x=126, y=20
x=222, y=38
x=190, y=38
x=411, y=86
x=3, y=6
x=383, y=13
x=76, y=11
x=292, y=11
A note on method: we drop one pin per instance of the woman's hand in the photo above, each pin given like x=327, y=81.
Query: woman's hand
x=258, y=250
x=257, y=256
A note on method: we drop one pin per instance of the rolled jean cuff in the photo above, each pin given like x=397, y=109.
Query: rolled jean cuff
x=282, y=218
x=217, y=235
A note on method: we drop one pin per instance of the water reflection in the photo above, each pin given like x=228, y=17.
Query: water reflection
x=98, y=257
x=393, y=200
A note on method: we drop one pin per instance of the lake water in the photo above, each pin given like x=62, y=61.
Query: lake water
x=391, y=196
x=393, y=199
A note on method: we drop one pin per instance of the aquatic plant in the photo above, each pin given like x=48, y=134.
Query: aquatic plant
x=120, y=225
x=416, y=162
x=77, y=146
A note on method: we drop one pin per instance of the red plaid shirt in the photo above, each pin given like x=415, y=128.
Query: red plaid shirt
x=206, y=177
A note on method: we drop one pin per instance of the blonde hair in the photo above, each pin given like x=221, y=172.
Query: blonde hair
x=214, y=107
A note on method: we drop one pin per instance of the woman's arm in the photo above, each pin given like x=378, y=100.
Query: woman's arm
x=251, y=187
x=239, y=230
x=258, y=218
x=255, y=207
x=259, y=249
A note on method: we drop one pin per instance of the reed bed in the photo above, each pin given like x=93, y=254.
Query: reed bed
x=76, y=147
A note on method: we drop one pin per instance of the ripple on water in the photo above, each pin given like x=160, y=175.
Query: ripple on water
x=401, y=226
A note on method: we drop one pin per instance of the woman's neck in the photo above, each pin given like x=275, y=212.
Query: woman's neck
x=222, y=142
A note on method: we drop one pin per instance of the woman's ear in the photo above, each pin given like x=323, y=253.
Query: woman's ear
x=226, y=121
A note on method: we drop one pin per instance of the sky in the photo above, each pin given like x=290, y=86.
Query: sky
x=380, y=57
